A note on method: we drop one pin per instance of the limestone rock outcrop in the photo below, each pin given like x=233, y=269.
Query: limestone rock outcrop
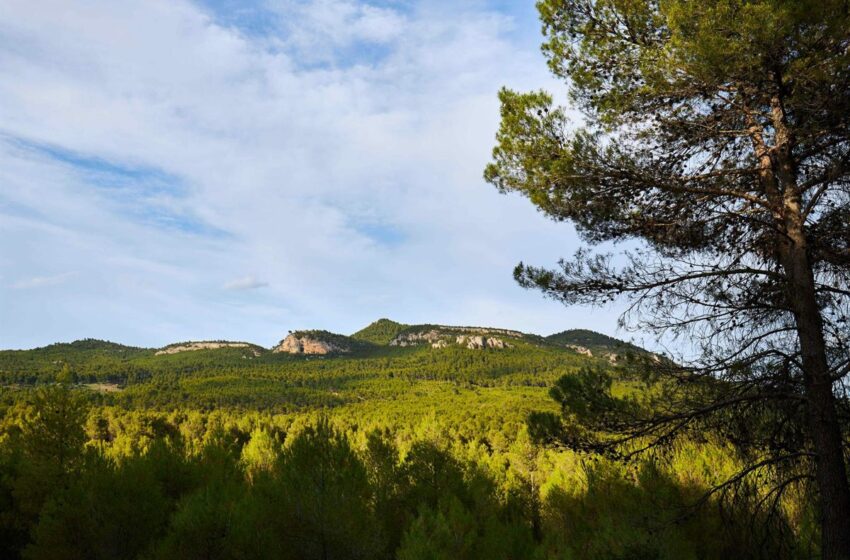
x=305, y=343
x=191, y=346
x=581, y=350
x=479, y=342
x=474, y=338
x=414, y=339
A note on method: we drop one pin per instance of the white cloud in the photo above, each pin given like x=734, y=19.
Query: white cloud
x=245, y=283
x=42, y=281
x=236, y=152
x=321, y=25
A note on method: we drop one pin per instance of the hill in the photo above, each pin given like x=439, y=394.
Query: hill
x=381, y=331
x=443, y=346
x=319, y=342
x=583, y=340
x=192, y=346
x=417, y=438
x=307, y=368
x=100, y=357
x=93, y=344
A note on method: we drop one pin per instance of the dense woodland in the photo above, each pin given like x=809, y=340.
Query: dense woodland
x=709, y=181
x=108, y=451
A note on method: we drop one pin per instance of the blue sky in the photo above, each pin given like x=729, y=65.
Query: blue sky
x=221, y=169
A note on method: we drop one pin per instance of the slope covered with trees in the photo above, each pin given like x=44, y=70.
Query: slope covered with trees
x=399, y=452
x=715, y=142
x=594, y=341
x=381, y=331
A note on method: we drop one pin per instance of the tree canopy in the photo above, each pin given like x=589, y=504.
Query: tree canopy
x=715, y=138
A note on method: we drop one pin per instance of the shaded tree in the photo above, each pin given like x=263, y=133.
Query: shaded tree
x=447, y=533
x=321, y=498
x=432, y=473
x=52, y=438
x=715, y=140
x=389, y=486
x=220, y=520
x=107, y=512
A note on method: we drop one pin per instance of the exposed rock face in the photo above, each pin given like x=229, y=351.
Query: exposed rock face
x=442, y=337
x=414, y=339
x=190, y=346
x=581, y=350
x=487, y=330
x=305, y=344
x=600, y=346
x=479, y=342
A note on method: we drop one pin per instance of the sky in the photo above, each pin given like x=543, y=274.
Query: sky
x=221, y=169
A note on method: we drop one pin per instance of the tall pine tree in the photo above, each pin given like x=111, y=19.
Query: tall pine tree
x=715, y=138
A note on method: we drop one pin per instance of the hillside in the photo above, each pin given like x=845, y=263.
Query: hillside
x=583, y=340
x=193, y=346
x=381, y=331
x=384, y=342
x=414, y=437
x=319, y=342
x=308, y=367
x=92, y=344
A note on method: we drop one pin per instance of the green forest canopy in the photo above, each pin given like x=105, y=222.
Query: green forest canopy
x=413, y=452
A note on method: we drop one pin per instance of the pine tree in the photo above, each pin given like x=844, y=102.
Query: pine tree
x=716, y=142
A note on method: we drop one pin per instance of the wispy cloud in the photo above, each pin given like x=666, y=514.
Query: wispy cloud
x=43, y=281
x=245, y=283
x=333, y=148
x=327, y=30
x=140, y=192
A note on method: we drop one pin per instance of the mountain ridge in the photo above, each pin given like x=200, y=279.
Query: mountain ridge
x=380, y=333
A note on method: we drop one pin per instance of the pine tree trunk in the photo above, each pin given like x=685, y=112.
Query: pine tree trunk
x=823, y=424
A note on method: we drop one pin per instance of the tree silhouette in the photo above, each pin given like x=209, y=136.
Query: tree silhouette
x=716, y=140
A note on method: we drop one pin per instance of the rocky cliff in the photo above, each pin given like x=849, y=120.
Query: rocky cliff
x=314, y=342
x=478, y=342
x=439, y=336
x=206, y=345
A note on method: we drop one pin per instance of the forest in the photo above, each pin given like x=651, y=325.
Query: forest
x=699, y=152
x=108, y=451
